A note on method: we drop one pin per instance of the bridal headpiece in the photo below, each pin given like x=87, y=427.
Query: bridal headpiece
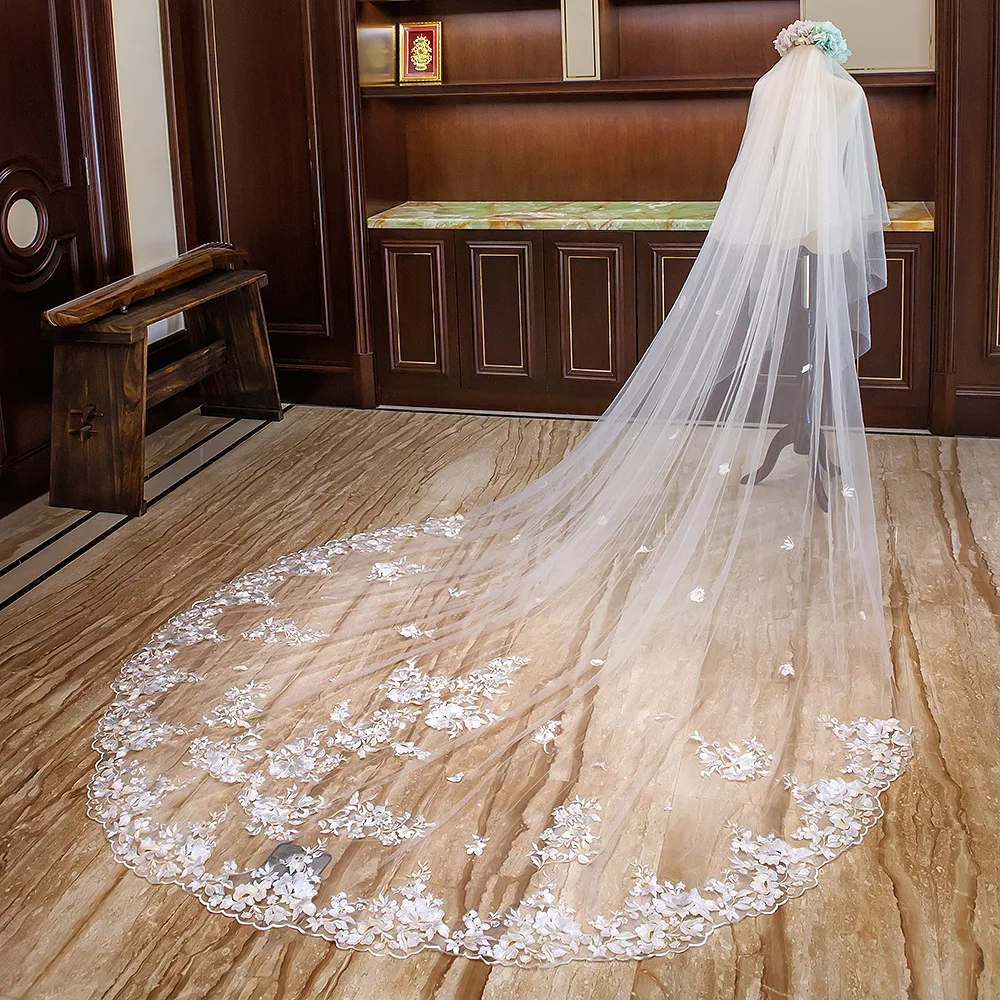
x=824, y=35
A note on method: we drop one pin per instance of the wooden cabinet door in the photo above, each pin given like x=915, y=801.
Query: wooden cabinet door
x=590, y=312
x=501, y=309
x=895, y=373
x=663, y=263
x=414, y=311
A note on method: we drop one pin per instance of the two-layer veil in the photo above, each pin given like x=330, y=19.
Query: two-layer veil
x=639, y=699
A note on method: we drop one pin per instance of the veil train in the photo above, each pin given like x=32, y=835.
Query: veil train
x=637, y=700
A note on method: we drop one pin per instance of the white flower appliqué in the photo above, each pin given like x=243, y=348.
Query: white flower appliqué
x=742, y=761
x=476, y=845
x=546, y=734
x=571, y=836
x=272, y=630
x=358, y=820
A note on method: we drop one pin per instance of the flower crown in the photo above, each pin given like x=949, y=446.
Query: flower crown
x=824, y=35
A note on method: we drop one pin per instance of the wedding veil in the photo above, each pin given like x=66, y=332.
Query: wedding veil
x=635, y=701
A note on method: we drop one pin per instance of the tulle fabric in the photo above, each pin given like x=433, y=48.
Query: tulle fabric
x=632, y=702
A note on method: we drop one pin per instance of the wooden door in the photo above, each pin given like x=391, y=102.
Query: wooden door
x=61, y=206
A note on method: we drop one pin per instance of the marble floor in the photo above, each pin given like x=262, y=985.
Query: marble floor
x=912, y=913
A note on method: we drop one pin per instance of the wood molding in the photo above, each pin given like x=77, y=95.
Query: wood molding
x=945, y=219
x=101, y=116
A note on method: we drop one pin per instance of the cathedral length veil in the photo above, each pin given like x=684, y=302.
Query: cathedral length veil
x=633, y=702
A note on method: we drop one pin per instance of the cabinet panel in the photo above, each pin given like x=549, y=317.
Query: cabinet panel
x=590, y=309
x=415, y=318
x=664, y=263
x=895, y=373
x=501, y=312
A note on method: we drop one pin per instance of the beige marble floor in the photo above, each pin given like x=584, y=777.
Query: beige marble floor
x=912, y=913
x=23, y=529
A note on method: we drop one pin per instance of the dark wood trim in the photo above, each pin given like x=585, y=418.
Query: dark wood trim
x=178, y=125
x=354, y=169
x=602, y=88
x=101, y=117
x=945, y=219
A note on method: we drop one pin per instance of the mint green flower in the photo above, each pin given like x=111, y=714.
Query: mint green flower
x=828, y=37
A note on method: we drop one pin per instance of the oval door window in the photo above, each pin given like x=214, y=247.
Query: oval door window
x=22, y=223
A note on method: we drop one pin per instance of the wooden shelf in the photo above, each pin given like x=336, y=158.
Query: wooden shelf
x=605, y=88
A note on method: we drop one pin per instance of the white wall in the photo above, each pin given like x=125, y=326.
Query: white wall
x=882, y=34
x=144, y=137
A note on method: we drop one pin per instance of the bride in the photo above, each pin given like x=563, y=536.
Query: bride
x=642, y=698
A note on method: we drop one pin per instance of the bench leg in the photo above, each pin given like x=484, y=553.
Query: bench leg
x=99, y=427
x=245, y=386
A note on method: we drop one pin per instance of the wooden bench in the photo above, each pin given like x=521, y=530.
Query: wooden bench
x=100, y=384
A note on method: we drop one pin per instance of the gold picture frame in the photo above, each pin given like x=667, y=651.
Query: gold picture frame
x=420, y=52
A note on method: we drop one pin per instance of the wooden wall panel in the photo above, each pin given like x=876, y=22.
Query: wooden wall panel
x=415, y=318
x=500, y=284
x=60, y=150
x=895, y=373
x=262, y=105
x=590, y=307
x=700, y=39
x=677, y=147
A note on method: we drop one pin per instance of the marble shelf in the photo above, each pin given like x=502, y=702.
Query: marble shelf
x=682, y=216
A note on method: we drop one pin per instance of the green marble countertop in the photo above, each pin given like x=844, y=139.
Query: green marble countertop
x=690, y=216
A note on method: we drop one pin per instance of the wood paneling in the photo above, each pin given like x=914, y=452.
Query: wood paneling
x=590, y=307
x=678, y=147
x=501, y=300
x=967, y=356
x=60, y=148
x=663, y=263
x=895, y=372
x=262, y=102
x=415, y=316
x=700, y=39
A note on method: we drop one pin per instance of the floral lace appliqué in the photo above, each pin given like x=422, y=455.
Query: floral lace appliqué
x=358, y=820
x=742, y=761
x=571, y=836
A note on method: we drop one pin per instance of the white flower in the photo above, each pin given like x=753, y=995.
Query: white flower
x=724, y=469
x=342, y=712
x=456, y=777
x=455, y=592
x=787, y=544
x=643, y=548
x=413, y=630
x=849, y=492
x=476, y=845
x=786, y=670
x=697, y=595
x=546, y=734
